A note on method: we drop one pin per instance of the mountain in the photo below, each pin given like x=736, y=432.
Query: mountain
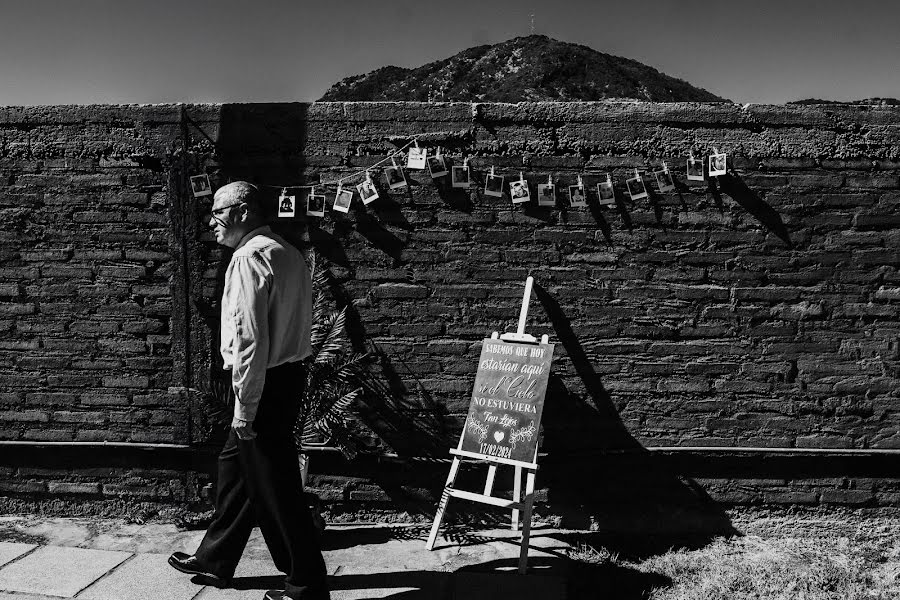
x=524, y=69
x=865, y=102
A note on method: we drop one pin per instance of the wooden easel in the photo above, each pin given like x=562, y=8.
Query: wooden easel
x=528, y=469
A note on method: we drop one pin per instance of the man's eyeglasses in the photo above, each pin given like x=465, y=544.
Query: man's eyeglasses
x=221, y=210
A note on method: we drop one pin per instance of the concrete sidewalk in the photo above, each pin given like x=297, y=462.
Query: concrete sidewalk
x=106, y=559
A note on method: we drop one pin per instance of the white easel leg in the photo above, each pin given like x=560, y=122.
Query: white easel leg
x=445, y=497
x=517, y=496
x=489, y=480
x=526, y=522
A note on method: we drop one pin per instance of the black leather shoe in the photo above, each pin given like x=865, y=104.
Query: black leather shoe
x=189, y=564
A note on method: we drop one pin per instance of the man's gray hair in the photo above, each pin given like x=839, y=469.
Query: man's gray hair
x=243, y=191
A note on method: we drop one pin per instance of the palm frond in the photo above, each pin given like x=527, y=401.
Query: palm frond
x=336, y=375
x=333, y=344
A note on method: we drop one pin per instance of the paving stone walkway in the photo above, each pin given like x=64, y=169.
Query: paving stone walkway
x=95, y=559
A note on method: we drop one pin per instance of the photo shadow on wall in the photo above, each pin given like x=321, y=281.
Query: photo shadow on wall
x=637, y=506
x=374, y=227
x=605, y=228
x=455, y=198
x=732, y=184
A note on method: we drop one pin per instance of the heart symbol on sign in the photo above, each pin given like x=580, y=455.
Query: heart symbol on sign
x=498, y=436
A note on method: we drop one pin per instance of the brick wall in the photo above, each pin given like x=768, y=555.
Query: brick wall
x=87, y=277
x=759, y=310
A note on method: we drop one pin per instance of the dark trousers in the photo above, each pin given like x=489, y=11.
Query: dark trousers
x=259, y=484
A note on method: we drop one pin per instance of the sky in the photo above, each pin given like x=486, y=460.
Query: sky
x=127, y=51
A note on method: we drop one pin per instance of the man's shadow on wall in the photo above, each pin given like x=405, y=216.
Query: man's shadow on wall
x=635, y=506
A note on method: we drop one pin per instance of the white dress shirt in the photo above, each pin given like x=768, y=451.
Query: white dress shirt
x=266, y=314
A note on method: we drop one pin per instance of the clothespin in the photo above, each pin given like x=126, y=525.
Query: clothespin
x=549, y=179
x=665, y=167
x=284, y=192
x=580, y=181
x=691, y=154
x=438, y=151
x=393, y=161
x=608, y=179
x=416, y=142
x=637, y=175
x=492, y=170
x=716, y=150
x=368, y=176
x=465, y=163
x=521, y=176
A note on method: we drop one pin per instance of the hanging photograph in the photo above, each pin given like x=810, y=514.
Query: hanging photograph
x=493, y=185
x=436, y=166
x=395, y=177
x=286, y=206
x=200, y=186
x=694, y=169
x=664, y=180
x=342, y=200
x=546, y=194
x=459, y=176
x=606, y=193
x=416, y=158
x=519, y=192
x=367, y=191
x=636, y=188
x=315, y=205
x=717, y=164
x=577, y=198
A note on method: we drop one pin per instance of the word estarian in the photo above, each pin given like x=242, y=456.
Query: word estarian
x=504, y=366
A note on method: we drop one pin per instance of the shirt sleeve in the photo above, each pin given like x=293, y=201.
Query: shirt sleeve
x=251, y=335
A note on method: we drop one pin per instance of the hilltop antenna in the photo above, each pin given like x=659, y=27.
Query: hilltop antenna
x=532, y=23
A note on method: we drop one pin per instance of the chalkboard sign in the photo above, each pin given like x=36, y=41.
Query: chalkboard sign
x=508, y=399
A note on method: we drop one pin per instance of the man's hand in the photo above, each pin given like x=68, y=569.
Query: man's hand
x=243, y=429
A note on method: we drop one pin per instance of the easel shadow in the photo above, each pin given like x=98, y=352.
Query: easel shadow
x=637, y=506
x=583, y=581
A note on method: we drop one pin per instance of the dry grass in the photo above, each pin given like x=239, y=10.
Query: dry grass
x=796, y=557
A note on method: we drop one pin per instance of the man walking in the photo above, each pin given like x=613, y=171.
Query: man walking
x=266, y=322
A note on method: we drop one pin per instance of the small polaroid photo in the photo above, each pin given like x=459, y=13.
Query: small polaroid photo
x=416, y=158
x=459, y=176
x=577, y=199
x=315, y=205
x=395, y=177
x=436, y=166
x=367, y=191
x=286, y=206
x=607, y=193
x=493, y=185
x=342, y=200
x=664, y=180
x=717, y=164
x=636, y=188
x=546, y=194
x=519, y=192
x=200, y=186
x=695, y=169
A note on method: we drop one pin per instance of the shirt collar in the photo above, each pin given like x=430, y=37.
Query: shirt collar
x=252, y=234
